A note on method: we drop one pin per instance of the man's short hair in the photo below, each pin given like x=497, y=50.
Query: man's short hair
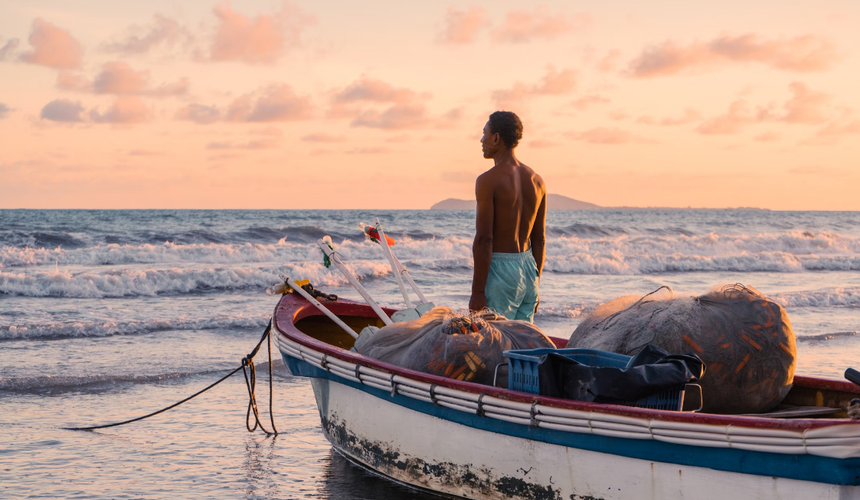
x=508, y=126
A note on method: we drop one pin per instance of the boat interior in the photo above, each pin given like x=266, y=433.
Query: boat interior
x=808, y=397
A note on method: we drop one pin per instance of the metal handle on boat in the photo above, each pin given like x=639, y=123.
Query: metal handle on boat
x=852, y=375
x=496, y=373
x=701, y=396
x=322, y=308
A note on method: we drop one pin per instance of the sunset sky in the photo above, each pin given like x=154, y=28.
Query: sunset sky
x=380, y=104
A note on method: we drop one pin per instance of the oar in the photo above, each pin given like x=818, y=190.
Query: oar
x=386, y=249
x=335, y=259
x=321, y=307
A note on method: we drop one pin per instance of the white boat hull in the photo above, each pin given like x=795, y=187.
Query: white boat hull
x=432, y=453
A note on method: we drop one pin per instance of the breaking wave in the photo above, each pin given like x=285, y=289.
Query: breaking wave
x=65, y=383
x=81, y=329
x=153, y=282
x=603, y=251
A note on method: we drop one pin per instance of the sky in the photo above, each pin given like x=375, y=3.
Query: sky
x=380, y=104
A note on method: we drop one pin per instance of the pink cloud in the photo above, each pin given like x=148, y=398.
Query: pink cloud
x=263, y=39
x=805, y=106
x=609, y=62
x=199, y=113
x=162, y=31
x=119, y=78
x=554, y=82
x=323, y=137
x=370, y=89
x=368, y=151
x=584, y=103
x=53, y=47
x=767, y=137
x=273, y=104
x=803, y=54
x=523, y=26
x=63, y=110
x=690, y=115
x=399, y=116
x=250, y=145
x=4, y=111
x=8, y=48
x=125, y=110
x=839, y=129
x=816, y=170
x=540, y=144
x=608, y=136
x=738, y=115
x=462, y=26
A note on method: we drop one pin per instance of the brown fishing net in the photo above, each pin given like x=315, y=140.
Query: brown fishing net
x=745, y=340
x=455, y=346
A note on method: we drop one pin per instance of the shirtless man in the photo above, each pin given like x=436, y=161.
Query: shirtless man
x=511, y=226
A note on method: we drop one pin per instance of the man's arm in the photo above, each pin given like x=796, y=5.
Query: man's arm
x=537, y=239
x=482, y=248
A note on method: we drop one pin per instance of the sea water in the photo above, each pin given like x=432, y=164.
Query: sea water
x=109, y=315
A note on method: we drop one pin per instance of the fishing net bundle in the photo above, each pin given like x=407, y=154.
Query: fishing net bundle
x=745, y=340
x=457, y=346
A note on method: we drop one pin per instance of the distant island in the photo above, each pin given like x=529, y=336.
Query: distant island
x=559, y=202
x=553, y=202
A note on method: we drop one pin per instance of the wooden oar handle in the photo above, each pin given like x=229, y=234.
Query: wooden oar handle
x=853, y=375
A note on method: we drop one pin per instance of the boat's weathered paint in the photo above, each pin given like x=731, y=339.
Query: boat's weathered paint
x=436, y=454
x=473, y=456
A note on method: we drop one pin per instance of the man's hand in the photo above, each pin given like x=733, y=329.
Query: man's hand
x=537, y=303
x=478, y=301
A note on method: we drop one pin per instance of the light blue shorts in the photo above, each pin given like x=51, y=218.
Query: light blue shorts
x=512, y=285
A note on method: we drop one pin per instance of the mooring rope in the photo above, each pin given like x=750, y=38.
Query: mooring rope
x=250, y=372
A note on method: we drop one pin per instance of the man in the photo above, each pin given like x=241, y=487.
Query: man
x=510, y=237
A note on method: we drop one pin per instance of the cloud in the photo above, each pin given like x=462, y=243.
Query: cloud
x=4, y=110
x=125, y=110
x=8, y=48
x=250, y=145
x=63, y=110
x=608, y=136
x=261, y=40
x=523, y=26
x=275, y=103
x=461, y=26
x=554, y=82
x=738, y=115
x=584, y=103
x=806, y=53
x=609, y=62
x=805, y=106
x=118, y=78
x=323, y=137
x=370, y=89
x=399, y=116
x=368, y=151
x=198, y=113
x=53, y=47
x=690, y=115
x=839, y=129
x=540, y=144
x=767, y=137
x=162, y=31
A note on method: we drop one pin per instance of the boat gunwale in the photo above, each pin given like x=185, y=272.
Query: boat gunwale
x=293, y=309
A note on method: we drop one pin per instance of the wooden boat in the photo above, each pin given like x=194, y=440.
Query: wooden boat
x=474, y=441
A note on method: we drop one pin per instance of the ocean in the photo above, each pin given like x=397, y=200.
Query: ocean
x=106, y=315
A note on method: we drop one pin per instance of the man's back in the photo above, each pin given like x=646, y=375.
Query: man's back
x=517, y=192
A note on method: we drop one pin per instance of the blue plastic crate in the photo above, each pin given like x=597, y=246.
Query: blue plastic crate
x=523, y=374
